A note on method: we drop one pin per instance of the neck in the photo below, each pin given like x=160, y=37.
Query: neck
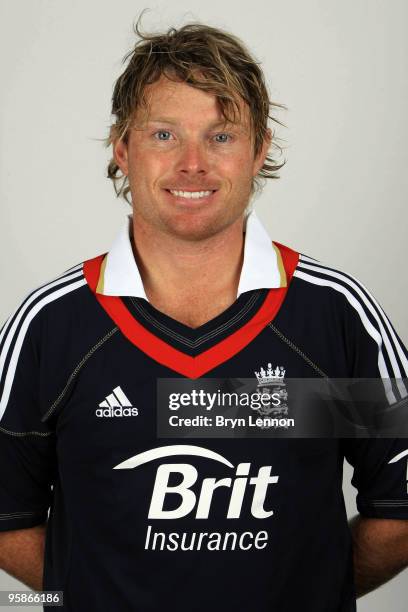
x=176, y=270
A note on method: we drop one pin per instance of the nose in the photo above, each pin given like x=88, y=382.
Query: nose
x=193, y=159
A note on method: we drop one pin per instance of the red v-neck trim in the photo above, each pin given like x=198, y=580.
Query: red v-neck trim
x=164, y=353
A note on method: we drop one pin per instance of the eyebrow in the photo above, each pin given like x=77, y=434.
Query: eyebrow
x=171, y=121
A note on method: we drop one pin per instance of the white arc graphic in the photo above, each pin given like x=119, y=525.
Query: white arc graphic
x=398, y=457
x=169, y=451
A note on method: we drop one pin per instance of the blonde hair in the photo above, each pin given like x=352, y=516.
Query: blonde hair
x=207, y=58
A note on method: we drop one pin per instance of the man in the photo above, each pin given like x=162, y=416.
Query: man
x=192, y=289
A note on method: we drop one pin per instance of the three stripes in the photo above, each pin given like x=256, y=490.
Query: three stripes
x=116, y=399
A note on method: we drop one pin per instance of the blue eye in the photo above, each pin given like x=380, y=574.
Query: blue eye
x=160, y=133
x=224, y=137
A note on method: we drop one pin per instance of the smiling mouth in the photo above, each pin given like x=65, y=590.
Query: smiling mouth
x=191, y=195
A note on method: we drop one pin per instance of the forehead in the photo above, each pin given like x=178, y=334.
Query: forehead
x=182, y=102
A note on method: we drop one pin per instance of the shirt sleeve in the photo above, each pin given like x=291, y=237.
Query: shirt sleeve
x=27, y=446
x=380, y=464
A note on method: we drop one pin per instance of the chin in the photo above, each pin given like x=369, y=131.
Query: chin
x=195, y=227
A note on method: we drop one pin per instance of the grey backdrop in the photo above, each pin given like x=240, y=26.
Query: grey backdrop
x=340, y=67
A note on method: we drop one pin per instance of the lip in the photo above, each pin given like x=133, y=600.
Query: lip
x=190, y=201
x=189, y=189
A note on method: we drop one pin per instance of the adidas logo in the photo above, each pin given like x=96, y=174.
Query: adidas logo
x=116, y=405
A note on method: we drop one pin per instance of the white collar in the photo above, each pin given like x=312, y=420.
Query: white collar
x=262, y=266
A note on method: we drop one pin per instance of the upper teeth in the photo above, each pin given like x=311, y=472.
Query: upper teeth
x=191, y=194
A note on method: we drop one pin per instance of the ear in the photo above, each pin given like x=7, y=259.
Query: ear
x=260, y=158
x=120, y=154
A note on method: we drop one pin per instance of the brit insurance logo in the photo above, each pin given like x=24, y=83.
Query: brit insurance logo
x=180, y=491
x=116, y=404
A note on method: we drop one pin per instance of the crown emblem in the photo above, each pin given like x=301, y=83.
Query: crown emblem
x=270, y=375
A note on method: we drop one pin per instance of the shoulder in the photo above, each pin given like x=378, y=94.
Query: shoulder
x=323, y=283
x=334, y=308
x=48, y=334
x=329, y=292
x=56, y=292
x=57, y=307
x=329, y=282
x=358, y=312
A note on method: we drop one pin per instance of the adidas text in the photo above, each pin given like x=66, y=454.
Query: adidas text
x=116, y=412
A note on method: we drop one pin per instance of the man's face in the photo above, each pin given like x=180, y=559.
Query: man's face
x=182, y=148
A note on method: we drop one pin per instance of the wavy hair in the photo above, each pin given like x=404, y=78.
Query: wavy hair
x=207, y=58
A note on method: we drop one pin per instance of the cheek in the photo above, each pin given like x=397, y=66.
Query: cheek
x=145, y=167
x=239, y=169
